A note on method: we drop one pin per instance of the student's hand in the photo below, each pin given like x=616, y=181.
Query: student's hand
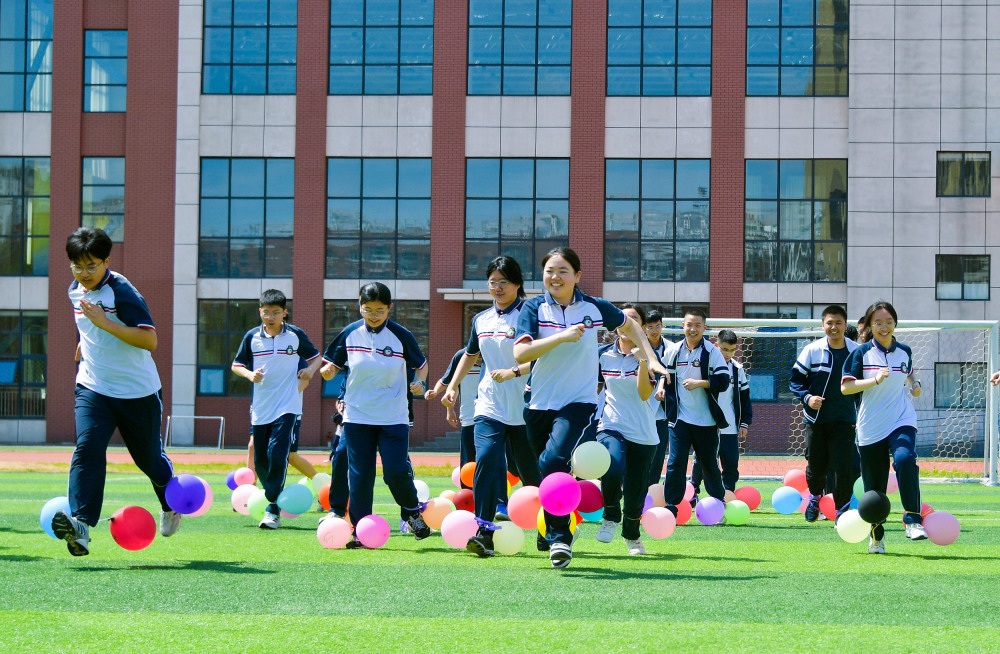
x=257, y=375
x=659, y=369
x=449, y=398
x=502, y=375
x=882, y=375
x=573, y=334
x=303, y=383
x=453, y=419
x=430, y=394
x=691, y=384
x=660, y=395
x=328, y=371
x=743, y=434
x=995, y=378
x=915, y=388
x=95, y=313
x=417, y=388
x=815, y=402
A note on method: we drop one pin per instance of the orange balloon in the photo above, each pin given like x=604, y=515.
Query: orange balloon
x=512, y=480
x=437, y=509
x=448, y=494
x=324, y=496
x=523, y=506
x=468, y=473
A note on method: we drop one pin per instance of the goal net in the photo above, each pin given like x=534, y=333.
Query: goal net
x=956, y=412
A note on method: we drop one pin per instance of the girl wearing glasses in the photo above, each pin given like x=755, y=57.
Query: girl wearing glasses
x=882, y=371
x=376, y=353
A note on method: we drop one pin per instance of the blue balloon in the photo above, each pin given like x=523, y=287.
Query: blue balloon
x=296, y=499
x=231, y=480
x=593, y=516
x=185, y=494
x=786, y=500
x=854, y=502
x=49, y=511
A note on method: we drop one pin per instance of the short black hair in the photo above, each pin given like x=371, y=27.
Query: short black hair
x=510, y=269
x=87, y=242
x=375, y=292
x=639, y=310
x=835, y=310
x=851, y=332
x=272, y=297
x=654, y=315
x=696, y=311
x=727, y=336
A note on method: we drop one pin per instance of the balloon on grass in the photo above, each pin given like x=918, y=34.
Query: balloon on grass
x=796, y=479
x=436, y=510
x=710, y=511
x=574, y=521
x=458, y=527
x=319, y=480
x=684, y=512
x=207, y=504
x=133, y=527
x=559, y=493
x=257, y=504
x=659, y=522
x=749, y=495
x=185, y=494
x=828, y=507
x=456, y=477
x=307, y=482
x=467, y=475
x=51, y=508
x=647, y=504
x=464, y=500
x=323, y=496
x=423, y=490
x=874, y=507
x=512, y=479
x=523, y=505
x=334, y=533
x=737, y=512
x=688, y=491
x=852, y=528
x=942, y=528
x=591, y=498
x=373, y=531
x=593, y=516
x=241, y=497
x=231, y=480
x=244, y=475
x=591, y=460
x=656, y=492
x=859, y=487
x=509, y=539
x=926, y=509
x=786, y=500
x=295, y=499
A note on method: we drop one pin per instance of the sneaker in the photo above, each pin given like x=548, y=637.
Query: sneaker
x=170, y=522
x=916, y=531
x=501, y=514
x=635, y=547
x=418, y=527
x=875, y=546
x=560, y=554
x=331, y=514
x=606, y=532
x=812, y=510
x=75, y=532
x=542, y=544
x=354, y=544
x=270, y=521
x=481, y=545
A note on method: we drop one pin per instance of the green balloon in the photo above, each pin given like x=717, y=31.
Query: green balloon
x=859, y=488
x=737, y=512
x=257, y=504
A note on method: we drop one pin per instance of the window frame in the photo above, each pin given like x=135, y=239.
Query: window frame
x=19, y=385
x=89, y=60
x=34, y=33
x=964, y=259
x=270, y=67
x=963, y=181
x=975, y=372
x=27, y=247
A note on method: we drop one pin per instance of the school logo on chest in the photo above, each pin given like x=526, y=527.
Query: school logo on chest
x=696, y=363
x=902, y=368
x=588, y=322
x=509, y=333
x=386, y=351
x=289, y=350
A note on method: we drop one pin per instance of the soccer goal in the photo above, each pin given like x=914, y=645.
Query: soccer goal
x=956, y=412
x=176, y=422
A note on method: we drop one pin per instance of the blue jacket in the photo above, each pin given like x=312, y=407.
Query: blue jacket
x=742, y=408
x=716, y=382
x=811, y=374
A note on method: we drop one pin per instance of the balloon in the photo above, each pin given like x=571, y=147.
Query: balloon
x=658, y=522
x=574, y=521
x=513, y=481
x=590, y=460
x=942, y=528
x=324, y=496
x=684, y=512
x=464, y=500
x=51, y=508
x=804, y=504
x=591, y=498
x=372, y=531
x=295, y=499
x=240, y=497
x=647, y=504
x=458, y=527
x=319, y=480
x=334, y=533
x=523, y=505
x=448, y=494
x=893, y=485
x=874, y=507
x=737, y=512
x=748, y=495
x=796, y=479
x=828, y=506
x=710, y=511
x=209, y=498
x=786, y=500
x=925, y=509
x=244, y=475
x=133, y=527
x=559, y=493
x=593, y=516
x=436, y=510
x=729, y=496
x=854, y=502
x=307, y=482
x=231, y=480
x=656, y=492
x=456, y=477
x=423, y=490
x=852, y=528
x=185, y=494
x=859, y=487
x=467, y=475
x=257, y=504
x=509, y=539
x=688, y=491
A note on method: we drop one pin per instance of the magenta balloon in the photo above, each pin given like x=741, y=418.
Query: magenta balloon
x=942, y=527
x=372, y=531
x=591, y=498
x=710, y=511
x=559, y=493
x=244, y=475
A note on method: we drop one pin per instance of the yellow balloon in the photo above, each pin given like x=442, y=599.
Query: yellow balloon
x=574, y=520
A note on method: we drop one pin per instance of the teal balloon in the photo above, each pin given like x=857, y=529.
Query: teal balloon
x=257, y=504
x=295, y=499
x=53, y=506
x=593, y=516
x=859, y=488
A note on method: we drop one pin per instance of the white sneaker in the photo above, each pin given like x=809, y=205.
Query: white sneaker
x=270, y=521
x=75, y=532
x=560, y=554
x=916, y=532
x=331, y=514
x=635, y=547
x=170, y=522
x=875, y=546
x=606, y=532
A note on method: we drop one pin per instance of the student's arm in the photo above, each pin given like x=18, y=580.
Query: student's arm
x=462, y=368
x=253, y=375
x=243, y=362
x=660, y=392
x=643, y=383
x=434, y=392
x=853, y=380
x=335, y=357
x=995, y=378
x=799, y=382
x=526, y=350
x=636, y=335
x=140, y=337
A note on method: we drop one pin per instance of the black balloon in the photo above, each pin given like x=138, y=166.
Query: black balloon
x=874, y=507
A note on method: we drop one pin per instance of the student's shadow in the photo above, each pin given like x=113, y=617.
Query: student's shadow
x=612, y=574
x=227, y=567
x=19, y=558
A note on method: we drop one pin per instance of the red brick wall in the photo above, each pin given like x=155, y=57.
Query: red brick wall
x=729, y=26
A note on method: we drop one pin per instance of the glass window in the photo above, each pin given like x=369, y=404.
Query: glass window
x=659, y=47
x=25, y=55
x=797, y=47
x=959, y=385
x=246, y=218
x=105, y=70
x=381, y=47
x=24, y=216
x=656, y=219
x=520, y=47
x=103, y=201
x=795, y=220
x=22, y=363
x=516, y=207
x=963, y=174
x=378, y=218
x=963, y=276
x=249, y=47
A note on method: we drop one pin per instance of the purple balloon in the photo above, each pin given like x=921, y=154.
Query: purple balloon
x=185, y=494
x=710, y=511
x=231, y=480
x=648, y=504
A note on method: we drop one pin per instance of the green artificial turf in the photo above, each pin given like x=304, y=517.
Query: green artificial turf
x=222, y=584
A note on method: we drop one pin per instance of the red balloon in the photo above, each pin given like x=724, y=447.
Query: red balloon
x=750, y=495
x=324, y=496
x=796, y=479
x=684, y=512
x=464, y=501
x=133, y=527
x=591, y=498
x=828, y=506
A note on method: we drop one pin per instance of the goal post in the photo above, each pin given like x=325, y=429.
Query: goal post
x=957, y=434
x=172, y=426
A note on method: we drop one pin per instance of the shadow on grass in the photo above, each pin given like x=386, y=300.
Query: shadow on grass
x=940, y=557
x=19, y=558
x=201, y=566
x=13, y=530
x=610, y=574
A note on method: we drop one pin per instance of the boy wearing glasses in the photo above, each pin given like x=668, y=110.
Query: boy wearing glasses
x=117, y=387
x=270, y=356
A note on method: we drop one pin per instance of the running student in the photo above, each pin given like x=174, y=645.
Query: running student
x=627, y=429
x=117, y=387
x=829, y=415
x=654, y=332
x=376, y=353
x=735, y=403
x=882, y=371
x=339, y=490
x=270, y=356
x=465, y=418
x=558, y=331
x=499, y=408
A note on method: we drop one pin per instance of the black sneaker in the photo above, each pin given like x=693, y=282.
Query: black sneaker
x=542, y=544
x=354, y=544
x=560, y=555
x=75, y=532
x=481, y=545
x=418, y=527
x=812, y=511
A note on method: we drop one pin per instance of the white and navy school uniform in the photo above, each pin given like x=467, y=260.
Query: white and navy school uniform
x=563, y=382
x=117, y=387
x=628, y=430
x=467, y=390
x=501, y=441
x=376, y=417
x=887, y=422
x=735, y=404
x=662, y=425
x=276, y=403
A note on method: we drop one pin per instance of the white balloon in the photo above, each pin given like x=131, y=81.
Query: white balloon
x=509, y=539
x=852, y=528
x=423, y=490
x=591, y=460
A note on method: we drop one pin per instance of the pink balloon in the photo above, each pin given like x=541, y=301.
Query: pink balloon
x=710, y=511
x=244, y=475
x=286, y=514
x=893, y=485
x=658, y=522
x=372, y=531
x=208, y=500
x=805, y=502
x=559, y=493
x=797, y=479
x=942, y=528
x=523, y=506
x=240, y=497
x=458, y=527
x=334, y=533
x=750, y=495
x=656, y=492
x=688, y=492
x=456, y=477
x=926, y=509
x=647, y=504
x=591, y=498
